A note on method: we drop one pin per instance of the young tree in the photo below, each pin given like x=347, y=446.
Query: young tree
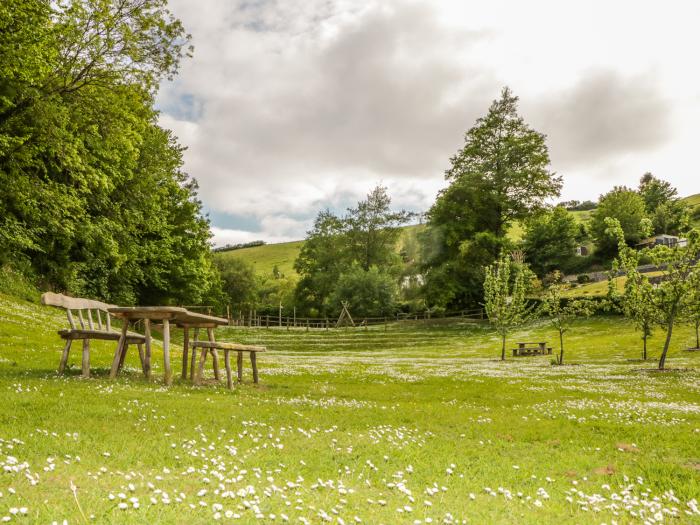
x=505, y=287
x=563, y=312
x=500, y=175
x=671, y=295
x=693, y=308
x=625, y=205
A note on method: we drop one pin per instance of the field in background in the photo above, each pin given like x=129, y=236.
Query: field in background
x=413, y=424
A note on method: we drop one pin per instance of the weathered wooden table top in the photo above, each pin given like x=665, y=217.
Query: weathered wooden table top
x=181, y=316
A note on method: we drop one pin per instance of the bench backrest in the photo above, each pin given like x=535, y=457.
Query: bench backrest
x=85, y=309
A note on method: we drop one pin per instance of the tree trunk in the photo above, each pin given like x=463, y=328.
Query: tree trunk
x=697, y=332
x=561, y=347
x=644, y=352
x=503, y=348
x=669, y=333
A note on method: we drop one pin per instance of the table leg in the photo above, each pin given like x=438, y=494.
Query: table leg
x=142, y=357
x=118, y=351
x=200, y=372
x=123, y=356
x=214, y=354
x=254, y=364
x=193, y=362
x=185, y=350
x=147, y=356
x=166, y=352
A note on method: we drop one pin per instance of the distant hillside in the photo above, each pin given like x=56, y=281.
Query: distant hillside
x=265, y=258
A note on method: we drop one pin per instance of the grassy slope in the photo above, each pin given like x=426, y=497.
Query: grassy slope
x=283, y=255
x=351, y=423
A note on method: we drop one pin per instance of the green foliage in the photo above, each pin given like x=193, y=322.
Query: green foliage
x=92, y=188
x=239, y=283
x=668, y=213
x=366, y=237
x=550, y=241
x=562, y=313
x=500, y=176
x=368, y=293
x=628, y=208
x=669, y=298
x=505, y=286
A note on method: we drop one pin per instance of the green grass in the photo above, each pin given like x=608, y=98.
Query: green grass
x=371, y=424
x=264, y=258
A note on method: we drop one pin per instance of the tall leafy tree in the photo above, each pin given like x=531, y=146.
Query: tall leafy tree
x=372, y=230
x=320, y=263
x=550, y=240
x=628, y=208
x=500, y=175
x=505, y=287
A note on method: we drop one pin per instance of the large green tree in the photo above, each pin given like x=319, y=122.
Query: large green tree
x=550, y=240
x=92, y=193
x=628, y=207
x=500, y=175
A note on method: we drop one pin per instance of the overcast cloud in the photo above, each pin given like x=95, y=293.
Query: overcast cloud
x=292, y=106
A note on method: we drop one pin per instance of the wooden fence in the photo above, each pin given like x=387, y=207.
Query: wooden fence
x=253, y=320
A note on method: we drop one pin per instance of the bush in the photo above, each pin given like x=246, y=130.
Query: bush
x=583, y=278
x=15, y=283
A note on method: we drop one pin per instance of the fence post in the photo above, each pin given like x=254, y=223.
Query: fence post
x=267, y=321
x=295, y=317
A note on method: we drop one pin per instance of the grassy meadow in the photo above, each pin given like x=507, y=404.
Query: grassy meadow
x=409, y=423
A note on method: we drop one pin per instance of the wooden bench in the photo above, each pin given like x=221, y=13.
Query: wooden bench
x=528, y=349
x=90, y=315
x=213, y=347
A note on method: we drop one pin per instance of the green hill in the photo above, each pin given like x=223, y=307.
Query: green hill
x=264, y=258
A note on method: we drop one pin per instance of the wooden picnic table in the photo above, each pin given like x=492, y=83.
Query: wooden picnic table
x=525, y=348
x=166, y=314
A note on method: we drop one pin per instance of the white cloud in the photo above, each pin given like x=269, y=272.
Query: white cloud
x=291, y=106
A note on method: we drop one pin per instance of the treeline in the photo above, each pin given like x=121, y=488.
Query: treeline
x=239, y=246
x=93, y=199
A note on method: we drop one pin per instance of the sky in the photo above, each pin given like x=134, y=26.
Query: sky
x=289, y=107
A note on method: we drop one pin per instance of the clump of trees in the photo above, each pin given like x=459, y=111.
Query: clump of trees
x=352, y=258
x=93, y=198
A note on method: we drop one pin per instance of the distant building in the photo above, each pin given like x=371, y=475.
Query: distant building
x=581, y=251
x=662, y=240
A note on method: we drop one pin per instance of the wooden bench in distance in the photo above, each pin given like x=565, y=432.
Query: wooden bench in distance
x=212, y=346
x=90, y=316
